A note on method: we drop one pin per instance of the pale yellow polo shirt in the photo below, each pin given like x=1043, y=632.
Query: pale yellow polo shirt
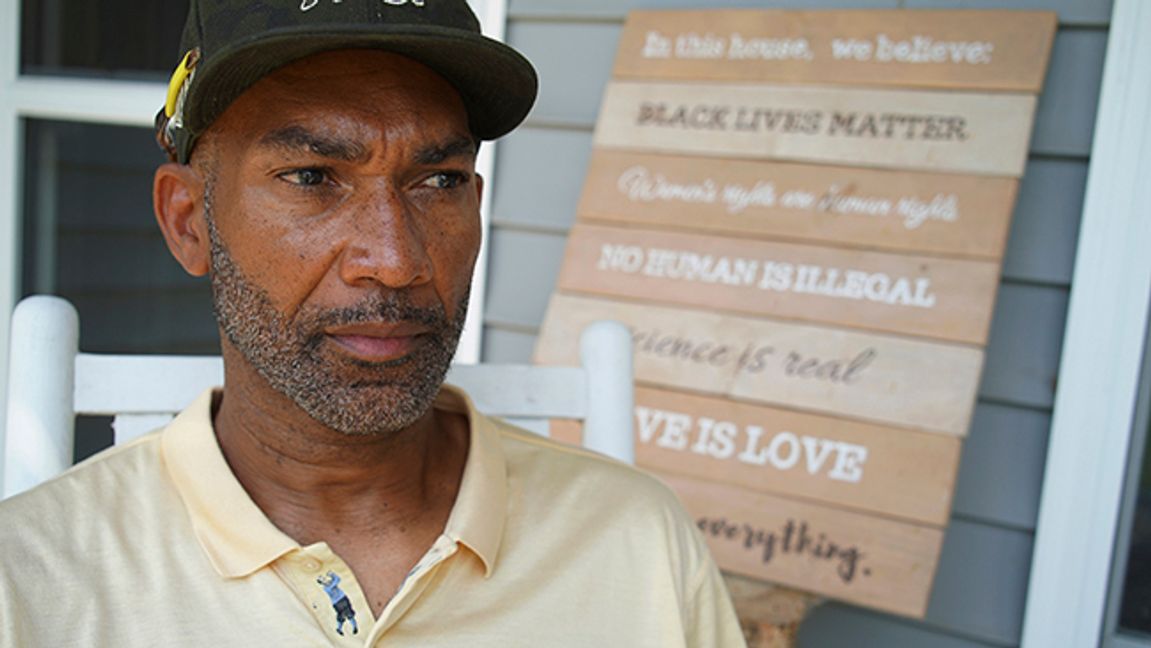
x=155, y=543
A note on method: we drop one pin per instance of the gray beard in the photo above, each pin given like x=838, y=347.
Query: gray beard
x=347, y=395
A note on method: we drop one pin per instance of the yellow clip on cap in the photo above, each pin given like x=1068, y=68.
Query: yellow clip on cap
x=177, y=82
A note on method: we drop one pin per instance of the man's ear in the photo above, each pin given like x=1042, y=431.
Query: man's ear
x=178, y=200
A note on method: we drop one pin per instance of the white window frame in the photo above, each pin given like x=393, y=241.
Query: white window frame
x=135, y=104
x=493, y=15
x=1102, y=355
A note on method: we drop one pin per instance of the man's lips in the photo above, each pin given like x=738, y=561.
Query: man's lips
x=377, y=342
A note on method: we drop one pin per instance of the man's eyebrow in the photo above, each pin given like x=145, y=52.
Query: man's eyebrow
x=437, y=153
x=295, y=138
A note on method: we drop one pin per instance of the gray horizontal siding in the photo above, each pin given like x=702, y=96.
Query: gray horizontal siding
x=980, y=587
x=1023, y=351
x=1003, y=453
x=1065, y=119
x=1045, y=228
x=558, y=162
x=522, y=272
x=1071, y=12
x=834, y=624
x=508, y=345
x=976, y=601
x=567, y=96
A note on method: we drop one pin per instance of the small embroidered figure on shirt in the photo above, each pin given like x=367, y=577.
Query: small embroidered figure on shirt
x=344, y=612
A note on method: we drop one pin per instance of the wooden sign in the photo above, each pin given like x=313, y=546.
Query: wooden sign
x=868, y=560
x=801, y=217
x=901, y=129
x=930, y=296
x=922, y=212
x=884, y=470
x=879, y=378
x=988, y=50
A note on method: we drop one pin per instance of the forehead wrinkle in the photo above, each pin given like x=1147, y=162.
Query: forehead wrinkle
x=437, y=153
x=296, y=138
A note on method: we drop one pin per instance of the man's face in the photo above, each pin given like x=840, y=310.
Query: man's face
x=343, y=213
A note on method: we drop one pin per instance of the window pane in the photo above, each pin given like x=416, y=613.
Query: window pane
x=1135, y=608
x=108, y=38
x=90, y=237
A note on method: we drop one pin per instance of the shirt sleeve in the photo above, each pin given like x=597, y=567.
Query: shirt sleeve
x=712, y=622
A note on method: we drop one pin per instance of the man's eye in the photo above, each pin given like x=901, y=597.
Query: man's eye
x=446, y=180
x=305, y=177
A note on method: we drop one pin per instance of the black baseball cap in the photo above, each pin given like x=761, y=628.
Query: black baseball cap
x=228, y=45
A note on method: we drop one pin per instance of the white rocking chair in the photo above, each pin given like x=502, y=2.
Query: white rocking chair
x=50, y=382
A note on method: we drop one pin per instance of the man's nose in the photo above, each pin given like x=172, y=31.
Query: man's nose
x=386, y=245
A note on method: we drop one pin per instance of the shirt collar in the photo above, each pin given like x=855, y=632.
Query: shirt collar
x=478, y=516
x=235, y=534
x=239, y=539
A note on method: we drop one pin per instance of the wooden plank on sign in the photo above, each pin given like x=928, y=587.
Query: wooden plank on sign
x=871, y=468
x=974, y=50
x=948, y=299
x=880, y=378
x=958, y=132
x=876, y=563
x=900, y=211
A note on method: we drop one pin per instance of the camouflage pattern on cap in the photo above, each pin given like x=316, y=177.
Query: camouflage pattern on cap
x=228, y=45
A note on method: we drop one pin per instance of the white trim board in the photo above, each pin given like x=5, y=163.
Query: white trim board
x=1099, y=372
x=127, y=103
x=493, y=17
x=9, y=183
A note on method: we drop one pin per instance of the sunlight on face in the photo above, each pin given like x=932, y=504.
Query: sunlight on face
x=343, y=215
x=346, y=395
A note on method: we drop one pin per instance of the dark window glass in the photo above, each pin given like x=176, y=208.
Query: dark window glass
x=1135, y=607
x=107, y=38
x=90, y=237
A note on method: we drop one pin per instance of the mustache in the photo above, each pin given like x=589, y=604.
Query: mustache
x=390, y=307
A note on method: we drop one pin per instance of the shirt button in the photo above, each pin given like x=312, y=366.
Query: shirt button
x=312, y=565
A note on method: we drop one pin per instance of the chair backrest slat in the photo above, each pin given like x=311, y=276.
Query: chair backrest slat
x=123, y=384
x=126, y=427
x=50, y=383
x=540, y=392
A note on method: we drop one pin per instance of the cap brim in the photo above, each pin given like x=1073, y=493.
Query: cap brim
x=498, y=85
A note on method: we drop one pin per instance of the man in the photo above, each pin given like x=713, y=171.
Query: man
x=323, y=177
